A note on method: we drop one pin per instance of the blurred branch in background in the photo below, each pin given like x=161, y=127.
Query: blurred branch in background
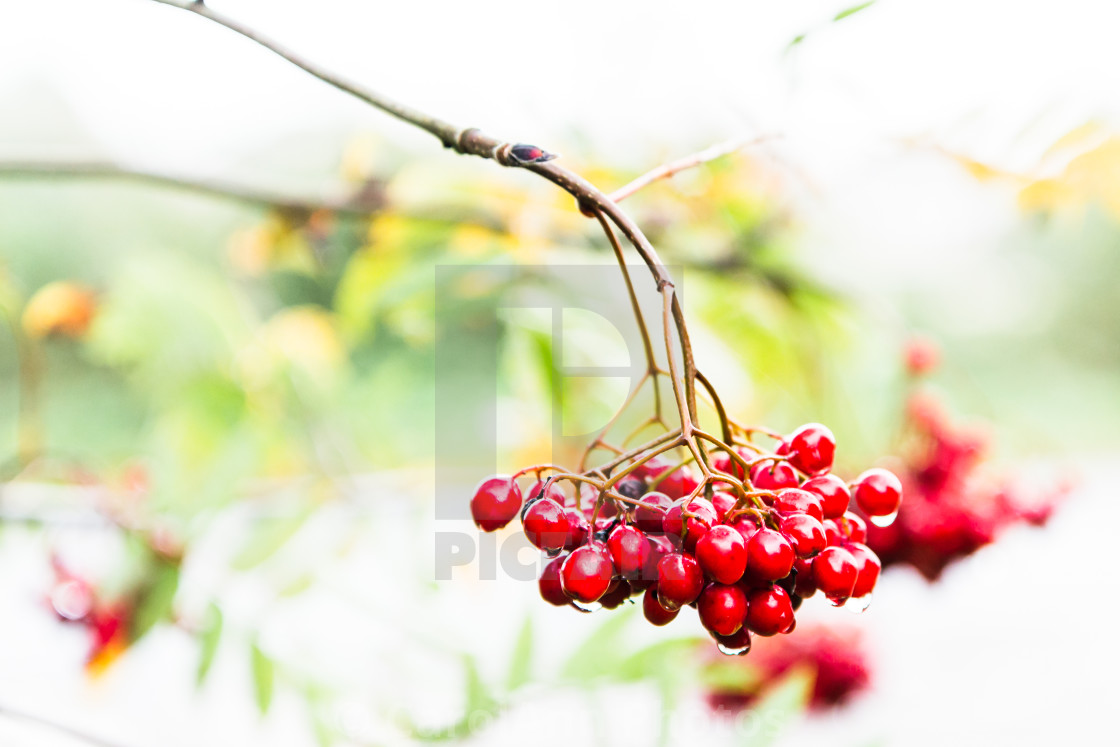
x=667, y=170
x=366, y=200
x=70, y=732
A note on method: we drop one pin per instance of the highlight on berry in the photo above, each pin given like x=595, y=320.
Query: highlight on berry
x=744, y=535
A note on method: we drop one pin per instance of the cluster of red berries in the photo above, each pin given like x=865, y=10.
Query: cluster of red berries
x=954, y=506
x=74, y=600
x=745, y=565
x=837, y=657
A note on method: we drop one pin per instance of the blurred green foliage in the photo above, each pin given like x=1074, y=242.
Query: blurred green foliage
x=239, y=355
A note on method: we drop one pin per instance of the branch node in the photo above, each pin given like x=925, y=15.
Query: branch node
x=458, y=141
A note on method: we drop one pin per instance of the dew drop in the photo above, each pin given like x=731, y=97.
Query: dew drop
x=838, y=601
x=733, y=651
x=884, y=521
x=587, y=607
x=858, y=605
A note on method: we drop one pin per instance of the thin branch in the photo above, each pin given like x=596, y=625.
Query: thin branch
x=471, y=141
x=103, y=170
x=688, y=162
x=11, y=713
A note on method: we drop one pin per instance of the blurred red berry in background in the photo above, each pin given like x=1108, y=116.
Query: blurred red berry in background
x=836, y=655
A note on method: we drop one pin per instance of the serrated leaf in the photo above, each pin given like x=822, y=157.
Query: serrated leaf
x=156, y=603
x=852, y=11
x=208, y=639
x=264, y=678
x=780, y=705
x=521, y=661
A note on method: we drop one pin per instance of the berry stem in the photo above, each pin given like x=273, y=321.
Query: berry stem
x=31, y=368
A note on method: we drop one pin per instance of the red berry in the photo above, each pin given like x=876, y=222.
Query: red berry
x=617, y=593
x=689, y=531
x=551, y=589
x=586, y=574
x=744, y=525
x=631, y=487
x=578, y=528
x=769, y=556
x=811, y=449
x=629, y=550
x=722, y=554
x=659, y=547
x=805, y=533
x=653, y=610
x=722, y=502
x=722, y=608
x=649, y=519
x=723, y=462
x=922, y=356
x=804, y=585
x=769, y=611
x=867, y=568
x=794, y=500
x=834, y=572
x=853, y=527
x=833, y=493
x=546, y=525
x=679, y=580
x=773, y=476
x=736, y=643
x=555, y=492
x=877, y=492
x=680, y=482
x=496, y=501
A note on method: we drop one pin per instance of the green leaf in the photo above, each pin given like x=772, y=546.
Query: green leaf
x=264, y=678
x=297, y=586
x=852, y=10
x=209, y=636
x=325, y=734
x=733, y=674
x=157, y=600
x=481, y=708
x=838, y=17
x=521, y=661
x=603, y=651
x=779, y=706
x=268, y=537
x=664, y=659
x=478, y=694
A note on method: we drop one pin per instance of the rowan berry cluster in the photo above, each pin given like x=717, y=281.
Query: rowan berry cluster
x=955, y=505
x=745, y=557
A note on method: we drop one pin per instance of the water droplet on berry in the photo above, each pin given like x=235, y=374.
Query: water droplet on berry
x=733, y=651
x=884, y=521
x=838, y=601
x=858, y=605
x=585, y=607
